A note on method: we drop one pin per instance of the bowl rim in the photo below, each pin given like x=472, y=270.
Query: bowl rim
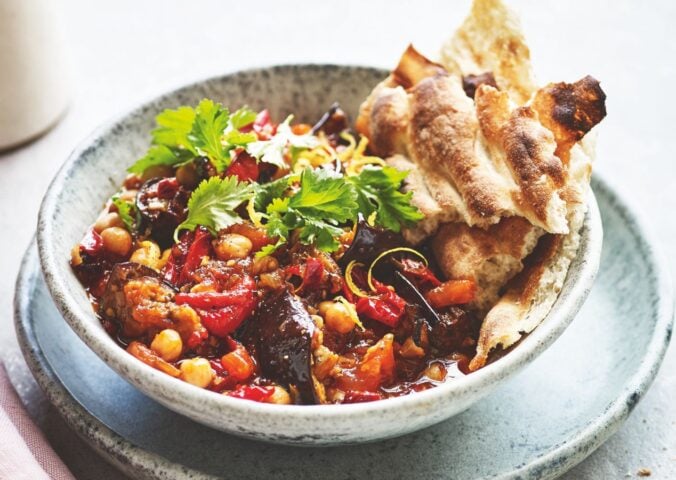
x=562, y=313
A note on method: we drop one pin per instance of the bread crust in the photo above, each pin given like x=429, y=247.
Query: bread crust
x=501, y=176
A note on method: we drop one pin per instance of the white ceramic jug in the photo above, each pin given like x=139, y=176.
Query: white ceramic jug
x=33, y=78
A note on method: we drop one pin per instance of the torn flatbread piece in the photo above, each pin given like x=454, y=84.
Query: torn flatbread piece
x=499, y=167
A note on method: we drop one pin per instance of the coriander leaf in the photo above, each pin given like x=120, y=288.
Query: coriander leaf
x=124, y=209
x=378, y=190
x=269, y=249
x=322, y=234
x=276, y=227
x=159, y=155
x=174, y=126
x=325, y=195
x=211, y=120
x=267, y=192
x=242, y=117
x=272, y=151
x=323, y=201
x=235, y=138
x=213, y=203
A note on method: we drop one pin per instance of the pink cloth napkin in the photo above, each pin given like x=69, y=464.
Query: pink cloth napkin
x=24, y=451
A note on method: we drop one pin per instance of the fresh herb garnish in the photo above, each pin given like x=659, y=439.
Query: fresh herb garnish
x=378, y=191
x=323, y=202
x=185, y=133
x=124, y=209
x=213, y=203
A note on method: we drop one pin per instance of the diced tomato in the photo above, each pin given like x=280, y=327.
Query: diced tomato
x=244, y=167
x=452, y=292
x=375, y=369
x=253, y=392
x=92, y=243
x=238, y=364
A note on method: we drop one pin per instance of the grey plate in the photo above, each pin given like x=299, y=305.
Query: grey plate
x=548, y=418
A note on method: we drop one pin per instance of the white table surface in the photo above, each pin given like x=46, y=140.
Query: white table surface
x=126, y=51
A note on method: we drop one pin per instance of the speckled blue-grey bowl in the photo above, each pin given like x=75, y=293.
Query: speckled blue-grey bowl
x=95, y=169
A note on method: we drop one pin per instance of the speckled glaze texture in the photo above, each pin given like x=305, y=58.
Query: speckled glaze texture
x=548, y=418
x=96, y=168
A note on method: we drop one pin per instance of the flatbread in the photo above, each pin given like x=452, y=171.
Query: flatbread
x=502, y=177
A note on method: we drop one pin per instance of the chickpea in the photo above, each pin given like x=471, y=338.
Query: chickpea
x=264, y=265
x=129, y=195
x=197, y=371
x=107, y=220
x=75, y=257
x=436, y=371
x=337, y=316
x=232, y=245
x=167, y=344
x=187, y=175
x=270, y=281
x=147, y=254
x=164, y=258
x=116, y=240
x=157, y=171
x=280, y=396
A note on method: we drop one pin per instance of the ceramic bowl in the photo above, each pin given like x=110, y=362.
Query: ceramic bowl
x=95, y=169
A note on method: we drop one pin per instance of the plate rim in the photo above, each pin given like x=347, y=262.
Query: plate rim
x=555, y=462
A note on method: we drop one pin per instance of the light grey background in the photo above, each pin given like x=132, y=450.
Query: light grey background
x=126, y=51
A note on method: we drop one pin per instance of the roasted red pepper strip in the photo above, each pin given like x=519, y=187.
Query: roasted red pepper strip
x=254, y=392
x=92, y=243
x=223, y=321
x=243, y=293
x=235, y=306
x=387, y=308
x=200, y=247
x=244, y=167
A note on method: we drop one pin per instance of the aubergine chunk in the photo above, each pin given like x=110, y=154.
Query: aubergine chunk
x=137, y=300
x=369, y=242
x=162, y=204
x=284, y=332
x=454, y=330
x=333, y=122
